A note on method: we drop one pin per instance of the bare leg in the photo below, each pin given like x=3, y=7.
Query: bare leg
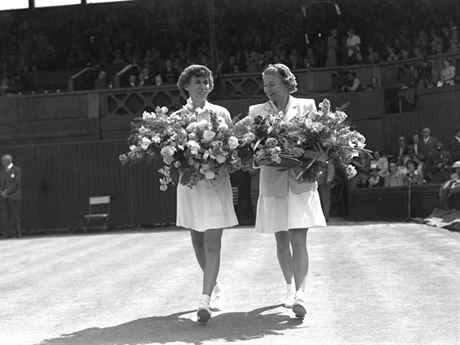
x=198, y=246
x=283, y=251
x=212, y=246
x=300, y=261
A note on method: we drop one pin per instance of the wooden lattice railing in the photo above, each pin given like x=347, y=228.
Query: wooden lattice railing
x=133, y=101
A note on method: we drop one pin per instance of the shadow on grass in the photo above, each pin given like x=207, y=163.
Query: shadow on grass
x=228, y=327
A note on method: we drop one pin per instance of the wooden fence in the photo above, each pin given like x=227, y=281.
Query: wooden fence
x=59, y=178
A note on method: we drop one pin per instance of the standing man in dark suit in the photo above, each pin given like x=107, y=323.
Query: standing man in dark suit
x=428, y=144
x=325, y=179
x=454, y=146
x=10, y=198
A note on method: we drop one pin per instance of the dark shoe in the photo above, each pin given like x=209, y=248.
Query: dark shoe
x=204, y=315
x=299, y=306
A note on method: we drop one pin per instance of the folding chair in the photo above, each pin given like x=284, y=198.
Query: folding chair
x=99, y=208
x=235, y=195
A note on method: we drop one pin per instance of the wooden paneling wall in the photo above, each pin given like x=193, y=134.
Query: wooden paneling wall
x=442, y=123
x=58, y=179
x=392, y=203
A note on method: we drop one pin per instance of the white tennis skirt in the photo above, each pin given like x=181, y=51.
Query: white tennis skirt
x=294, y=211
x=208, y=205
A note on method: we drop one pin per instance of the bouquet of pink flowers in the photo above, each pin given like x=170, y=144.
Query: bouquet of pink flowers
x=305, y=142
x=193, y=145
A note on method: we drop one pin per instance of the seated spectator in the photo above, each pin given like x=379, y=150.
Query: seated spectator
x=374, y=179
x=404, y=54
x=450, y=187
x=374, y=84
x=169, y=75
x=411, y=81
x=252, y=62
x=132, y=81
x=381, y=162
x=140, y=77
x=438, y=165
x=447, y=74
x=456, y=175
x=146, y=77
x=454, y=146
x=362, y=164
x=101, y=82
x=353, y=83
x=413, y=176
x=427, y=79
x=392, y=54
x=118, y=59
x=414, y=147
x=394, y=178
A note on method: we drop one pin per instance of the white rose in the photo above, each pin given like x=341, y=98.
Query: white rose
x=145, y=142
x=233, y=142
x=221, y=159
x=202, y=124
x=209, y=174
x=223, y=126
x=147, y=115
x=208, y=135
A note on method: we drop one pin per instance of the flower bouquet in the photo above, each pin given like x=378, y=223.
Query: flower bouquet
x=193, y=145
x=304, y=143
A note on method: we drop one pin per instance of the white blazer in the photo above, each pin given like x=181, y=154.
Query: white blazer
x=273, y=182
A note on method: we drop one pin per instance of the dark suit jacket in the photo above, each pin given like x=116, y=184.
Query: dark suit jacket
x=454, y=149
x=11, y=182
x=429, y=147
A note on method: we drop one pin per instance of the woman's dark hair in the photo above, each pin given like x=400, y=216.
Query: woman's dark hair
x=198, y=71
x=411, y=161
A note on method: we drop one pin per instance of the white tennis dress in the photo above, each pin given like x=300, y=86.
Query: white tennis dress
x=209, y=204
x=285, y=203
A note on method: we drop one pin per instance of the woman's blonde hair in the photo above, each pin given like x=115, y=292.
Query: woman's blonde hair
x=287, y=78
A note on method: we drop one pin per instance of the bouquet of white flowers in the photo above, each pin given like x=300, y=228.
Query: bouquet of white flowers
x=194, y=145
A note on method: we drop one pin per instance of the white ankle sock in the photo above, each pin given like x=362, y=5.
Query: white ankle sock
x=204, y=299
x=290, y=287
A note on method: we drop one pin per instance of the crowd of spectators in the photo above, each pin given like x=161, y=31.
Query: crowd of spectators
x=420, y=160
x=250, y=35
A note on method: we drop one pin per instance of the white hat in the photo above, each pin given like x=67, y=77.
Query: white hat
x=374, y=167
x=456, y=164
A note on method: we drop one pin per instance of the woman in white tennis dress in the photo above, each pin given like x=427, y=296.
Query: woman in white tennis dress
x=287, y=207
x=207, y=208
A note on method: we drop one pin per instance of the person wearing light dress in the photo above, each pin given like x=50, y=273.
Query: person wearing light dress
x=207, y=208
x=287, y=207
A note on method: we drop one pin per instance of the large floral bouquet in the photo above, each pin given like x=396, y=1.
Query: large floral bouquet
x=305, y=142
x=193, y=145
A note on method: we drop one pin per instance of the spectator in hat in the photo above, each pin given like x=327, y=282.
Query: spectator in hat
x=456, y=175
x=374, y=179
